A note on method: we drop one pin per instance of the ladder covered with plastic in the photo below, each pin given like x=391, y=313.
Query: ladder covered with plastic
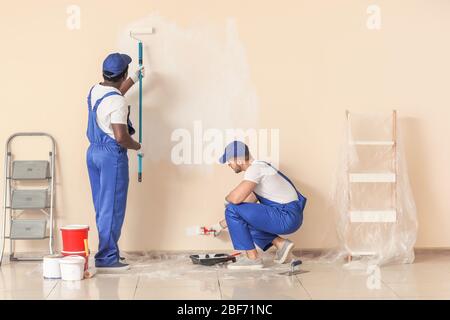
x=372, y=173
x=28, y=187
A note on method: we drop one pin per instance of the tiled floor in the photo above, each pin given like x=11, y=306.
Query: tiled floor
x=175, y=277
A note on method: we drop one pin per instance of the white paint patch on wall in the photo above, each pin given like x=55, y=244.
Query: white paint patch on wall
x=196, y=73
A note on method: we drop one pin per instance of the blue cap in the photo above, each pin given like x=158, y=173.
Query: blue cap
x=115, y=64
x=235, y=149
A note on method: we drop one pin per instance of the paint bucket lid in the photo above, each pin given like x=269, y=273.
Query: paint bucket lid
x=75, y=227
x=73, y=260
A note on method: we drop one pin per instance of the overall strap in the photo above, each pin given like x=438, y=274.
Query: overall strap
x=282, y=174
x=89, y=99
x=97, y=103
x=301, y=198
x=109, y=94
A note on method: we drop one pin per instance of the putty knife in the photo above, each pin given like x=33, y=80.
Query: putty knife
x=293, y=270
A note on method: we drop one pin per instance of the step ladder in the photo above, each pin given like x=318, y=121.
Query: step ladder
x=367, y=218
x=18, y=199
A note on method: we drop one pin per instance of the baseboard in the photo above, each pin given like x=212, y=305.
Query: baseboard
x=300, y=251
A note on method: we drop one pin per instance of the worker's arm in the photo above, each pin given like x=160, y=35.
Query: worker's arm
x=123, y=137
x=127, y=84
x=241, y=192
x=251, y=198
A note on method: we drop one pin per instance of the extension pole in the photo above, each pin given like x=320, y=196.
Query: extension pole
x=133, y=35
x=140, y=111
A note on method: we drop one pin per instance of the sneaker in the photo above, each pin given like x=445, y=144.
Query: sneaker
x=246, y=264
x=115, y=268
x=282, y=254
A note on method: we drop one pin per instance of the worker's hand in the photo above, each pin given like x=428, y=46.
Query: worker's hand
x=135, y=76
x=218, y=228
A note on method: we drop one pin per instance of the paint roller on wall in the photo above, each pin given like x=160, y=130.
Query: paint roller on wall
x=136, y=35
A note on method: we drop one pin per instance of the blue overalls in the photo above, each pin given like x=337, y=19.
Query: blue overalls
x=260, y=223
x=107, y=164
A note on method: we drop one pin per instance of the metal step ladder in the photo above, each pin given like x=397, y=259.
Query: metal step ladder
x=18, y=199
x=360, y=216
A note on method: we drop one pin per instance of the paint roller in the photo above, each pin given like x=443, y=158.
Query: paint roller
x=199, y=231
x=136, y=35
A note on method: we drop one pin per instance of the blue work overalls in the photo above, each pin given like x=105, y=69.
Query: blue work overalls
x=260, y=223
x=107, y=164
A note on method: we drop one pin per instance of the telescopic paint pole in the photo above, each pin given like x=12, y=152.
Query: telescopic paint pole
x=140, y=111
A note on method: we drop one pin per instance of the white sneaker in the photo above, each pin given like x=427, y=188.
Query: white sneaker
x=246, y=264
x=282, y=254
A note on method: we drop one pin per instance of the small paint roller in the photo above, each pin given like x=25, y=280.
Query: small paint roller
x=136, y=35
x=206, y=232
x=199, y=231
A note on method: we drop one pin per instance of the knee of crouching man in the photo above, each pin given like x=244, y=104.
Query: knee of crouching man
x=230, y=209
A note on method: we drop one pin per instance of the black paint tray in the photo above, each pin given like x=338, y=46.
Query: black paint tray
x=212, y=259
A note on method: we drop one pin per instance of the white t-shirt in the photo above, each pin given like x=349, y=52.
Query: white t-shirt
x=113, y=109
x=270, y=184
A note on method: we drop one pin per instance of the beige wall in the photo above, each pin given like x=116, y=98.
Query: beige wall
x=309, y=61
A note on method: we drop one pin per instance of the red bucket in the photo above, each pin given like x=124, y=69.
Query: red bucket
x=74, y=239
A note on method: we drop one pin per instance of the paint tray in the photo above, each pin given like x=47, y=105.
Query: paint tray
x=212, y=259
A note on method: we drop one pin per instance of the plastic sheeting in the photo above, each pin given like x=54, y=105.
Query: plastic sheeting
x=166, y=265
x=376, y=214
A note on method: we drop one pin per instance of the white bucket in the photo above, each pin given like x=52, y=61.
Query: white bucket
x=51, y=268
x=72, y=268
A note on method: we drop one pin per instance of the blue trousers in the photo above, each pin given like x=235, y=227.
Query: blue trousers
x=260, y=224
x=109, y=177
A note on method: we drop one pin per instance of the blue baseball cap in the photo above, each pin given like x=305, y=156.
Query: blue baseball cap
x=234, y=149
x=115, y=64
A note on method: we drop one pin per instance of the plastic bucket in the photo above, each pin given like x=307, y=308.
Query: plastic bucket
x=79, y=254
x=73, y=237
x=72, y=268
x=51, y=268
